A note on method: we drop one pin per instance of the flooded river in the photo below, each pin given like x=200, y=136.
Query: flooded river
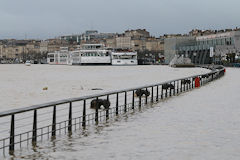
x=200, y=124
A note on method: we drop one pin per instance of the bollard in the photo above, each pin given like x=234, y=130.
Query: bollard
x=197, y=82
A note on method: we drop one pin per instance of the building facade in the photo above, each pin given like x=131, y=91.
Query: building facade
x=213, y=48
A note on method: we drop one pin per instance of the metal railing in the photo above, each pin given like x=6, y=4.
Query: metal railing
x=28, y=126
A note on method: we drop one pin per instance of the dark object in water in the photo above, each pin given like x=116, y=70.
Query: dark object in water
x=97, y=103
x=167, y=86
x=141, y=92
x=97, y=89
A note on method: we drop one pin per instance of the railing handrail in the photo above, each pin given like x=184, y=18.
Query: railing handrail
x=64, y=101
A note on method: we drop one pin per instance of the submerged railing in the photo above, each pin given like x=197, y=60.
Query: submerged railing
x=28, y=126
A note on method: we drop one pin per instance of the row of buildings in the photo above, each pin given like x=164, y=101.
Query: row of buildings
x=201, y=46
x=138, y=40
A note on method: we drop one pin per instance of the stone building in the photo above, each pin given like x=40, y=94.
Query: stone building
x=19, y=49
x=138, y=33
x=123, y=42
x=87, y=37
x=111, y=43
x=154, y=44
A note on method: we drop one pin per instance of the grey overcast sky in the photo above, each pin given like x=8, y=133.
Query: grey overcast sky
x=50, y=18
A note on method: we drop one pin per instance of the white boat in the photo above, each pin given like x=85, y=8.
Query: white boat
x=94, y=54
x=52, y=58
x=75, y=58
x=59, y=57
x=28, y=63
x=124, y=57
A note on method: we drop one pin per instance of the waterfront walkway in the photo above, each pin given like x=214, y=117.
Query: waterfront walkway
x=201, y=124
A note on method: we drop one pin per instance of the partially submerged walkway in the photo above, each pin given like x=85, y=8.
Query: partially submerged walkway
x=201, y=124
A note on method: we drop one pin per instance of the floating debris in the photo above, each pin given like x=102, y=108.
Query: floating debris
x=97, y=89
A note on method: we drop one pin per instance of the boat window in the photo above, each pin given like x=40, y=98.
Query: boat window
x=50, y=55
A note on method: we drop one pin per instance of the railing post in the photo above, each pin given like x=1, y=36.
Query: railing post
x=125, y=102
x=84, y=113
x=146, y=98
x=133, y=99
x=34, y=132
x=177, y=86
x=70, y=118
x=54, y=122
x=166, y=90
x=12, y=135
x=174, y=88
x=140, y=101
x=152, y=95
x=192, y=82
x=161, y=92
x=96, y=113
x=170, y=94
x=157, y=94
x=181, y=87
x=107, y=110
x=117, y=104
